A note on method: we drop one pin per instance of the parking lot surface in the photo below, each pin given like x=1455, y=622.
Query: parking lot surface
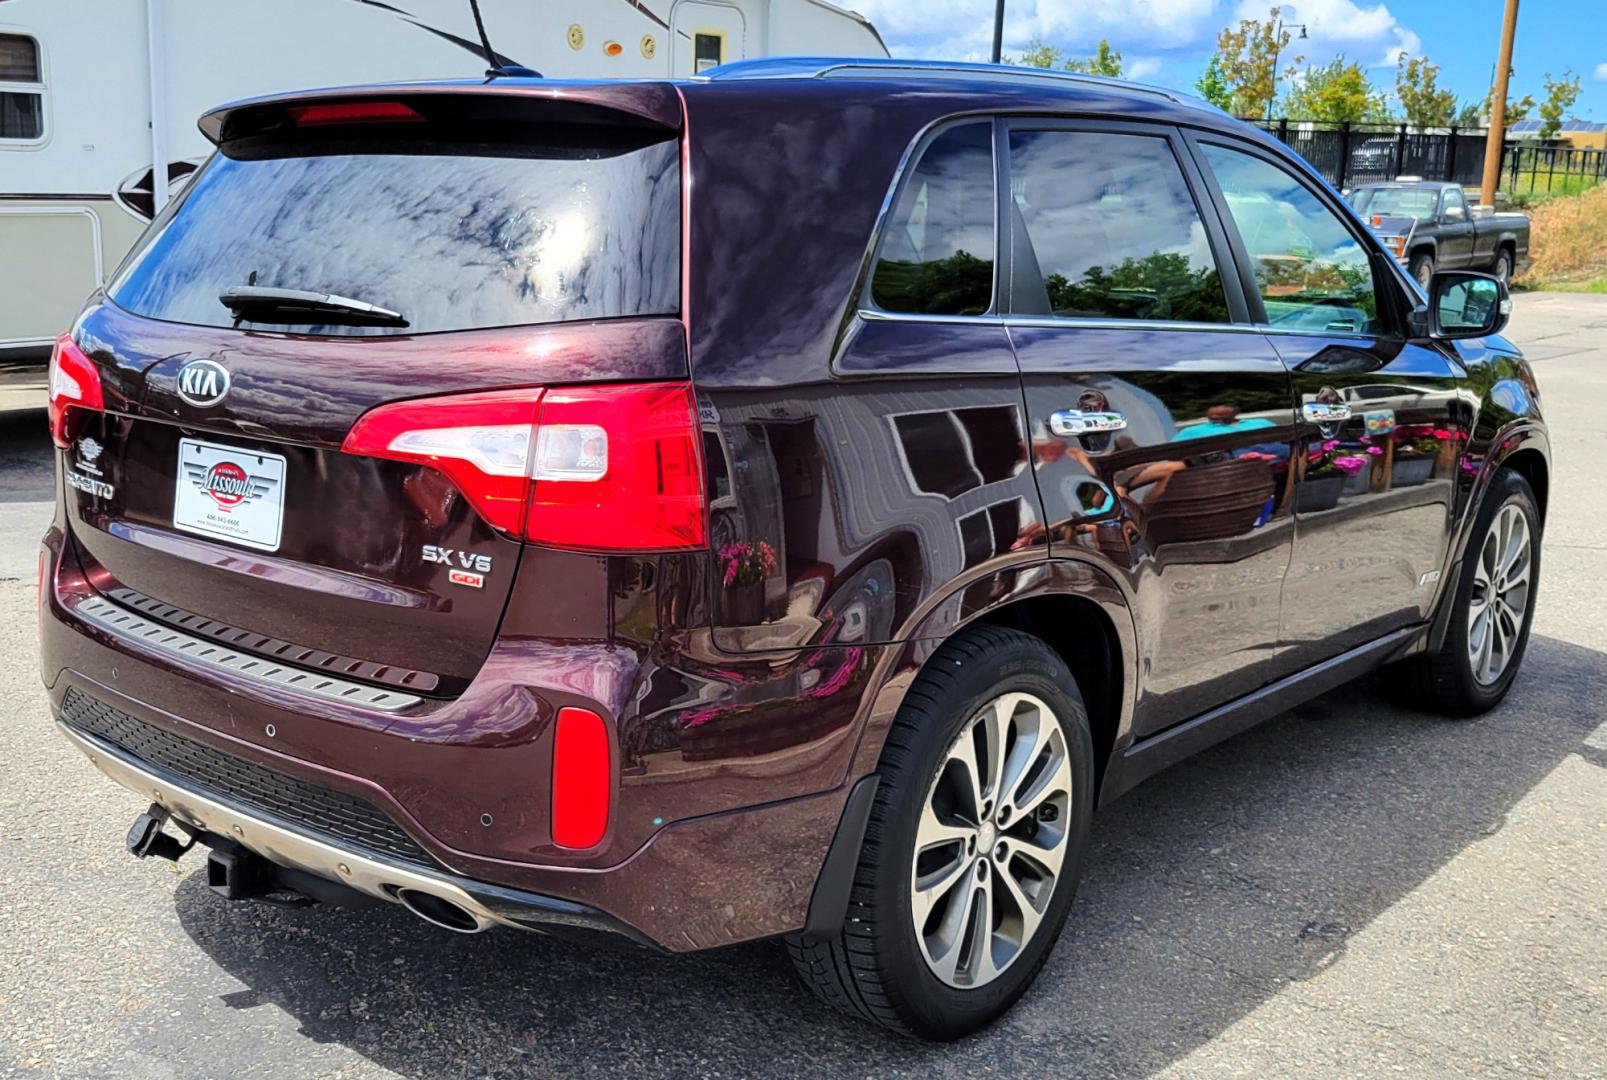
x=1349, y=890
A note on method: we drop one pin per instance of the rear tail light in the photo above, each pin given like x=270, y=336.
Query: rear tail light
x=74, y=384
x=582, y=779
x=592, y=468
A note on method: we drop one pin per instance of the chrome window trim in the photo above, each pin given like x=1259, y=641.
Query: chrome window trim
x=126, y=625
x=1050, y=322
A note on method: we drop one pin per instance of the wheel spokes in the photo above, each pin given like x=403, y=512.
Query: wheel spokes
x=990, y=841
x=1499, y=599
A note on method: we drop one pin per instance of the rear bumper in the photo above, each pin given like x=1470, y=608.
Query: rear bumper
x=717, y=835
x=350, y=866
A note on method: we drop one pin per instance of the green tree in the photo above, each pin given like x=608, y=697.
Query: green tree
x=1422, y=100
x=1040, y=54
x=1106, y=61
x=1213, y=87
x=1517, y=108
x=1249, y=56
x=1336, y=92
x=1560, y=97
x=1470, y=115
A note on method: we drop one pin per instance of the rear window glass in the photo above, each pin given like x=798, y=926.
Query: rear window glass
x=452, y=237
x=1398, y=202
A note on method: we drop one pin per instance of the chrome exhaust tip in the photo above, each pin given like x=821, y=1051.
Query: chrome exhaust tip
x=439, y=911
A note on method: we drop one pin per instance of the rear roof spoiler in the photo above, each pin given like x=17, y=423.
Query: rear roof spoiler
x=654, y=104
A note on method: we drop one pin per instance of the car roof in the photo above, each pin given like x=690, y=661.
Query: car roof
x=1001, y=87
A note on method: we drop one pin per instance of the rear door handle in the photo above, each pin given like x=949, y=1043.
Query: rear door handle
x=1322, y=413
x=1069, y=422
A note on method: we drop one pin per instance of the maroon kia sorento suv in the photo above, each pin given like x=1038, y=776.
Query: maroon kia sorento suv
x=779, y=504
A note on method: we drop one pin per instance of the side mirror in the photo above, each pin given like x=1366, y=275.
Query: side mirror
x=1462, y=304
x=1454, y=213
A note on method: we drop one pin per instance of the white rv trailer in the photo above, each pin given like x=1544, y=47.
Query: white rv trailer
x=92, y=92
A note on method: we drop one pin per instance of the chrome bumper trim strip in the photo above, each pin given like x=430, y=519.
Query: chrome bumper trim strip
x=121, y=622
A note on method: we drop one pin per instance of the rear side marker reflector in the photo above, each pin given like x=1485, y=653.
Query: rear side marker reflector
x=588, y=468
x=582, y=779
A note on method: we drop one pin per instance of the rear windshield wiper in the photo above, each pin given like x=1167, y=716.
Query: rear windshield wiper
x=261, y=304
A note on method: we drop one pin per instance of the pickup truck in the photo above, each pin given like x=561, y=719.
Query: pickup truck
x=1429, y=226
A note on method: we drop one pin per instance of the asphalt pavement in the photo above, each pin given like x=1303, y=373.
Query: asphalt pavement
x=1349, y=890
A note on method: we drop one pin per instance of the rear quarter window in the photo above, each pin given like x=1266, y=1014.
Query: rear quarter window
x=936, y=250
x=452, y=236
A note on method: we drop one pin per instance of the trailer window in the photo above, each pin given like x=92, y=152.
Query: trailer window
x=708, y=50
x=22, y=90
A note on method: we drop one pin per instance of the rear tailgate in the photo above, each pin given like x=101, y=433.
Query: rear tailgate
x=527, y=244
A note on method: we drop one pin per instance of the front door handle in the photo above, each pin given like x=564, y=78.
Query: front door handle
x=1068, y=422
x=1318, y=412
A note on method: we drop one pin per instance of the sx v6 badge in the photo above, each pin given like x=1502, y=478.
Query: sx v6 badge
x=466, y=567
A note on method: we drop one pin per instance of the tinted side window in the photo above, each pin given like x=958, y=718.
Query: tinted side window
x=1311, y=271
x=1113, y=226
x=936, y=254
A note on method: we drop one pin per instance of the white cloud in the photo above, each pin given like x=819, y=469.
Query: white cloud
x=963, y=29
x=1150, y=33
x=1139, y=68
x=1370, y=35
x=1601, y=72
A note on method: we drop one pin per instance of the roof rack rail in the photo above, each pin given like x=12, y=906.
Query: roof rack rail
x=822, y=67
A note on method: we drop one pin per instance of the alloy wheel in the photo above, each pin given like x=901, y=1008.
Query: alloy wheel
x=991, y=841
x=1500, y=597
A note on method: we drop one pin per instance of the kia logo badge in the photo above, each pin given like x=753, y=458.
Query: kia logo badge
x=203, y=382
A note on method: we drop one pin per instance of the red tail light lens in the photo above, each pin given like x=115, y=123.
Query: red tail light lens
x=481, y=442
x=352, y=112
x=596, y=468
x=582, y=779
x=617, y=469
x=74, y=384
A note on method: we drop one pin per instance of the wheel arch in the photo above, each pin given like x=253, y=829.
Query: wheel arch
x=1074, y=607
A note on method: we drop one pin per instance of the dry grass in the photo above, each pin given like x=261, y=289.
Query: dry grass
x=1569, y=239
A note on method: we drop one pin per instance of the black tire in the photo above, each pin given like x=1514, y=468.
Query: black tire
x=1422, y=268
x=1443, y=681
x=874, y=968
x=1502, y=268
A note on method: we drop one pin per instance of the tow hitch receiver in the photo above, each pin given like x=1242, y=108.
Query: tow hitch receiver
x=145, y=836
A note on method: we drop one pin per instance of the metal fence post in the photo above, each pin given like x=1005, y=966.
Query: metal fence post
x=1400, y=152
x=1344, y=154
x=1450, y=157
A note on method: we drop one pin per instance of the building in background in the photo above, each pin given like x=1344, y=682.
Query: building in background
x=1580, y=134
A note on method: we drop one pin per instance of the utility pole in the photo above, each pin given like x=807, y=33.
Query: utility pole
x=1496, y=139
x=998, y=31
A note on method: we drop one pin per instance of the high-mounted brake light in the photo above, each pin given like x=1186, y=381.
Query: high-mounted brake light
x=74, y=384
x=352, y=112
x=591, y=468
x=582, y=779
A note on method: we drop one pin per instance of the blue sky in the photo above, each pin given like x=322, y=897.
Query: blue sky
x=1169, y=41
